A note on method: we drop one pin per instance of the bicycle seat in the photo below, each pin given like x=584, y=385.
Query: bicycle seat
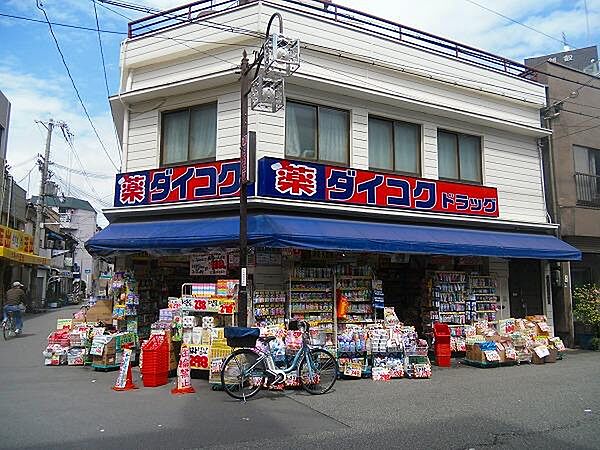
x=267, y=339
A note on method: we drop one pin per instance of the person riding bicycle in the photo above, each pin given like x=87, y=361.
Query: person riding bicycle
x=15, y=296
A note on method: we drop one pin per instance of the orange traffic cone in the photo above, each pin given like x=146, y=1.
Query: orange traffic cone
x=184, y=384
x=125, y=366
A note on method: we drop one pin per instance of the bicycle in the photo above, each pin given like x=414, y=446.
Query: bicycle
x=246, y=370
x=9, y=326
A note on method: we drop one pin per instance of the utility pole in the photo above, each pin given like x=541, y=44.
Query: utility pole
x=39, y=217
x=281, y=58
x=243, y=282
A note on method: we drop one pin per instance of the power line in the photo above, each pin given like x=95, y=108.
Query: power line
x=173, y=39
x=84, y=173
x=106, y=77
x=516, y=21
x=575, y=132
x=58, y=24
x=27, y=174
x=69, y=139
x=75, y=86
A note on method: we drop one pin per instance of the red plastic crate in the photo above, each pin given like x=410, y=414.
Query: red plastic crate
x=155, y=379
x=442, y=361
x=441, y=330
x=443, y=352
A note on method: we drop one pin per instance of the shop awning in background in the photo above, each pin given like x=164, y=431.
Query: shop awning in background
x=265, y=230
x=22, y=257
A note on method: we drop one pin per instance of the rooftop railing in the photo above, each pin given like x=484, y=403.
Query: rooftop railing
x=200, y=12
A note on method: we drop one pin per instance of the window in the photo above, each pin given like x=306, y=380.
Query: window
x=587, y=160
x=189, y=134
x=317, y=133
x=394, y=146
x=587, y=175
x=459, y=156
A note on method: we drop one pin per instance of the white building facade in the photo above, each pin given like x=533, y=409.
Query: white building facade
x=369, y=95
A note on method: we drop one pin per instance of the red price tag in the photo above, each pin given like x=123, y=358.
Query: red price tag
x=200, y=305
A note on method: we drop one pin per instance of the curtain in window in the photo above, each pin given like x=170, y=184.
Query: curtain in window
x=447, y=155
x=380, y=144
x=203, y=132
x=175, y=136
x=470, y=157
x=407, y=146
x=334, y=135
x=300, y=130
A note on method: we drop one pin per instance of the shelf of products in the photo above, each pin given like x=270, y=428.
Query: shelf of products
x=482, y=301
x=269, y=307
x=311, y=297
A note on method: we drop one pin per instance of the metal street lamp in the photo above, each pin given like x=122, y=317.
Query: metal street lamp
x=281, y=57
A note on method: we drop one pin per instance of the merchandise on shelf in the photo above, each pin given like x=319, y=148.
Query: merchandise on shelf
x=357, y=293
x=269, y=307
x=482, y=302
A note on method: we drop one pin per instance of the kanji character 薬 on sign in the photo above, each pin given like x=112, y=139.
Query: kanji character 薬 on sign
x=132, y=189
x=295, y=179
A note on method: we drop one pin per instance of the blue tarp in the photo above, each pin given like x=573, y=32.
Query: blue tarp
x=269, y=230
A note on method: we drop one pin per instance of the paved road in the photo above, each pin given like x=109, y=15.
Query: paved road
x=551, y=406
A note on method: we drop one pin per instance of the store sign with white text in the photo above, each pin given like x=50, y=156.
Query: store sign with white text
x=206, y=181
x=308, y=181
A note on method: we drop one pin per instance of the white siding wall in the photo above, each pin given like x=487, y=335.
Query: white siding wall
x=194, y=50
x=143, y=143
x=511, y=162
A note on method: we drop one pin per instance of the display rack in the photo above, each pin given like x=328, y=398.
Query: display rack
x=358, y=291
x=311, y=297
x=482, y=303
x=448, y=303
x=268, y=307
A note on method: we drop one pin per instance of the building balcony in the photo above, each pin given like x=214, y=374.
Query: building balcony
x=588, y=190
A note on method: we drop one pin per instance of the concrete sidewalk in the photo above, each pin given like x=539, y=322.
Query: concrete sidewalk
x=462, y=407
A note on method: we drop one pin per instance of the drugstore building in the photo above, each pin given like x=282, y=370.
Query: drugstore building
x=399, y=156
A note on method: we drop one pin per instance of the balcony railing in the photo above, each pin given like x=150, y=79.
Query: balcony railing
x=200, y=12
x=588, y=189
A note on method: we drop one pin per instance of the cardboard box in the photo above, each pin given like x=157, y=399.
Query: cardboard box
x=105, y=360
x=100, y=312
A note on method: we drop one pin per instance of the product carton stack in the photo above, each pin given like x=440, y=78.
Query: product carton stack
x=515, y=341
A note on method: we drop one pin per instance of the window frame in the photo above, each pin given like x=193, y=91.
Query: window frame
x=419, y=148
x=317, y=159
x=456, y=135
x=591, y=151
x=162, y=133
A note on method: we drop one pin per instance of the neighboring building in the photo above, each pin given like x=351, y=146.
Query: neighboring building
x=372, y=104
x=581, y=59
x=572, y=158
x=77, y=218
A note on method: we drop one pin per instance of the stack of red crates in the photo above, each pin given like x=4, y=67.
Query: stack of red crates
x=155, y=361
x=441, y=332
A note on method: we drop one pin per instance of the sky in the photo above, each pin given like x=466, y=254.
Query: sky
x=35, y=81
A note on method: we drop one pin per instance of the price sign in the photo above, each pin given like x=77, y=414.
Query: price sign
x=199, y=356
x=211, y=263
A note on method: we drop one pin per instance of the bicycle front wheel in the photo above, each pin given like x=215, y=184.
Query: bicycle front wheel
x=243, y=374
x=318, y=371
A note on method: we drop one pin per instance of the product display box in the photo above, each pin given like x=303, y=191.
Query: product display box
x=101, y=312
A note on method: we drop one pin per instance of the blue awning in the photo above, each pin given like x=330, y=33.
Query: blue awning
x=269, y=230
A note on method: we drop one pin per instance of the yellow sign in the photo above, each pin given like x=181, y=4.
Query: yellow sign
x=18, y=246
x=23, y=258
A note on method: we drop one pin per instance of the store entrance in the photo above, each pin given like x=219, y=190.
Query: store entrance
x=525, y=285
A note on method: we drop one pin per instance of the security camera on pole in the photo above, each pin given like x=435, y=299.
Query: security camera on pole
x=280, y=58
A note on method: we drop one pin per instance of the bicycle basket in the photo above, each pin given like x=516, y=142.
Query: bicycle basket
x=241, y=336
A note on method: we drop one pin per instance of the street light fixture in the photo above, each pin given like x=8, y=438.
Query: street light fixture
x=266, y=92
x=281, y=57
